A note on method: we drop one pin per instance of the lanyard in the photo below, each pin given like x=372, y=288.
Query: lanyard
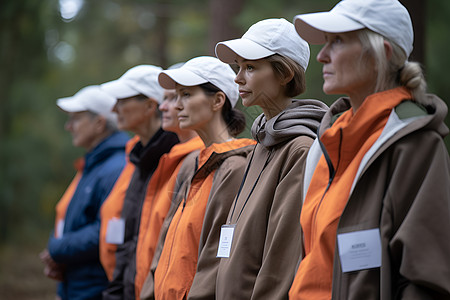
x=254, y=185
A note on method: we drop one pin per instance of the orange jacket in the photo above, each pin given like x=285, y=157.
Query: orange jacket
x=112, y=208
x=207, y=201
x=346, y=142
x=156, y=205
x=63, y=203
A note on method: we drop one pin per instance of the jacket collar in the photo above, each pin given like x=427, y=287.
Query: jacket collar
x=212, y=157
x=182, y=149
x=113, y=143
x=146, y=158
x=301, y=117
x=396, y=127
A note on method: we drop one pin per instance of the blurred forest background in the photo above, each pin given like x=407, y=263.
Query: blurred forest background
x=51, y=49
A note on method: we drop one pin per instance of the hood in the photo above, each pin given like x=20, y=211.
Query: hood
x=110, y=145
x=338, y=107
x=436, y=106
x=301, y=117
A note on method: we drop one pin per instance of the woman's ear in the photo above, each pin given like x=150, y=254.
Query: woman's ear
x=287, y=78
x=387, y=49
x=218, y=99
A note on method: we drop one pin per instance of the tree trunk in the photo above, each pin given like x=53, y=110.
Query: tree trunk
x=162, y=25
x=417, y=10
x=222, y=13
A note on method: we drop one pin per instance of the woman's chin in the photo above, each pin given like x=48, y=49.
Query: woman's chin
x=247, y=102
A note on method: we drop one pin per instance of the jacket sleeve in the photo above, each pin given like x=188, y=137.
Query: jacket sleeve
x=77, y=246
x=282, y=247
x=226, y=184
x=419, y=193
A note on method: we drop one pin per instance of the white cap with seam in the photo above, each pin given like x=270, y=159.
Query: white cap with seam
x=386, y=17
x=91, y=98
x=200, y=70
x=142, y=79
x=266, y=38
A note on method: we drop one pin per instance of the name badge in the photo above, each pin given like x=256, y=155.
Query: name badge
x=226, y=238
x=360, y=250
x=59, y=229
x=115, y=232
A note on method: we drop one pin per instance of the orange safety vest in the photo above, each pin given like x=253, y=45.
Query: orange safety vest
x=346, y=142
x=178, y=262
x=156, y=206
x=63, y=203
x=112, y=208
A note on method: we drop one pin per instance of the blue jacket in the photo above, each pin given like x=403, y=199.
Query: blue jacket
x=77, y=249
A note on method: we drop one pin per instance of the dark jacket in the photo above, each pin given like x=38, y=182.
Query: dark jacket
x=78, y=247
x=146, y=159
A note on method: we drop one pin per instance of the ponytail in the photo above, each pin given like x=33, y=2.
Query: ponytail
x=411, y=76
x=235, y=119
x=394, y=72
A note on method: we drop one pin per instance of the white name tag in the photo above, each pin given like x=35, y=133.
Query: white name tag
x=115, y=232
x=360, y=250
x=226, y=238
x=59, y=229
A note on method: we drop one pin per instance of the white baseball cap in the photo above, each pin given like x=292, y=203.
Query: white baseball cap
x=263, y=39
x=386, y=17
x=142, y=79
x=91, y=98
x=200, y=70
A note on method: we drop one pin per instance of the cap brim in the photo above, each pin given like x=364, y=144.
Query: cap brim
x=228, y=51
x=118, y=89
x=170, y=78
x=311, y=27
x=70, y=104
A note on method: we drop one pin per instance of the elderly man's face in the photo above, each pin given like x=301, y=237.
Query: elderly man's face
x=84, y=129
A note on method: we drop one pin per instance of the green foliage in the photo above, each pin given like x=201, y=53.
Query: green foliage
x=437, y=58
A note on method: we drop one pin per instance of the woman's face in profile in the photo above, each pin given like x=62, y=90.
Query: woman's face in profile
x=258, y=84
x=346, y=68
x=195, y=108
x=169, y=120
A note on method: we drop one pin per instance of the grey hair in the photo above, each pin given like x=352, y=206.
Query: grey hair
x=397, y=71
x=110, y=125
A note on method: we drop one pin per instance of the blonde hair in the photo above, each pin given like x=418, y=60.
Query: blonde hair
x=284, y=67
x=397, y=71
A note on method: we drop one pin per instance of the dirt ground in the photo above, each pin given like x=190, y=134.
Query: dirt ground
x=21, y=276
